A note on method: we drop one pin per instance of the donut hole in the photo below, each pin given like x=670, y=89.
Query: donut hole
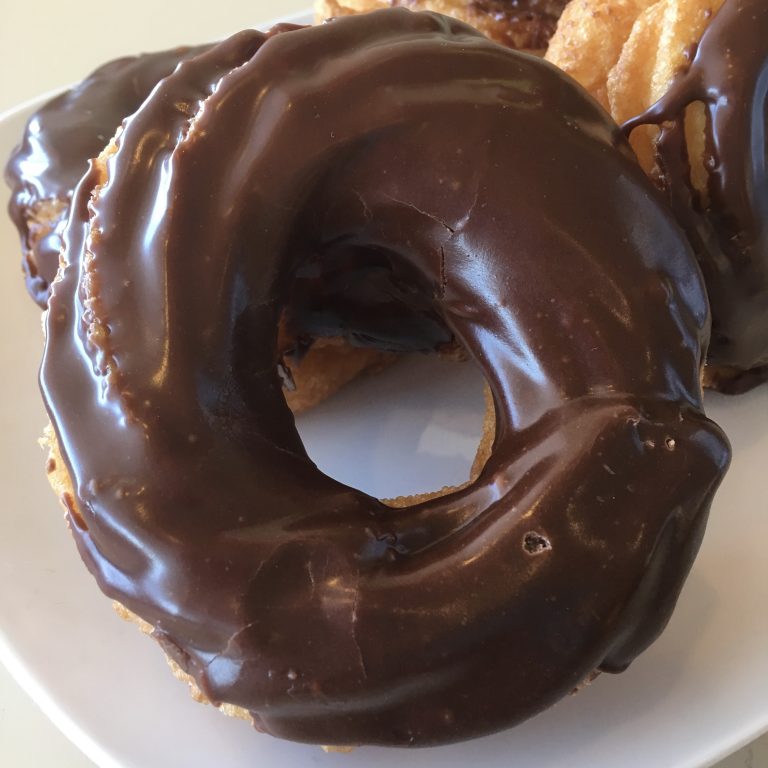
x=410, y=429
x=413, y=425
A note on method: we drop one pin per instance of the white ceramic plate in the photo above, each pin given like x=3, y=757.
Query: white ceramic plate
x=699, y=693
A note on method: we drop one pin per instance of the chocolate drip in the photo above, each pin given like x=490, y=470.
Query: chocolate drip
x=59, y=140
x=729, y=226
x=499, y=202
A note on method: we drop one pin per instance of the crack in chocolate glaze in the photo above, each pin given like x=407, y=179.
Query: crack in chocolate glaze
x=331, y=617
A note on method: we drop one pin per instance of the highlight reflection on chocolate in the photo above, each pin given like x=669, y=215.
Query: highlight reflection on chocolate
x=500, y=206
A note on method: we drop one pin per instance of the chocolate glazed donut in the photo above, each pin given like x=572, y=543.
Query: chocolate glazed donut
x=504, y=204
x=59, y=140
x=728, y=226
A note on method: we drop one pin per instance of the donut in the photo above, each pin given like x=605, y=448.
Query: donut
x=59, y=140
x=520, y=24
x=687, y=80
x=69, y=130
x=494, y=204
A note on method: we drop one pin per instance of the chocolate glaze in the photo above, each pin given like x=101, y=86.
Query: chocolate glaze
x=60, y=139
x=728, y=230
x=505, y=200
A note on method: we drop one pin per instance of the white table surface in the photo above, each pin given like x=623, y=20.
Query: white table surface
x=46, y=45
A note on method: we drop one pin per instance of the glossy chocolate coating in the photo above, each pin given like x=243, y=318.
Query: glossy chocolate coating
x=497, y=192
x=729, y=230
x=60, y=139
